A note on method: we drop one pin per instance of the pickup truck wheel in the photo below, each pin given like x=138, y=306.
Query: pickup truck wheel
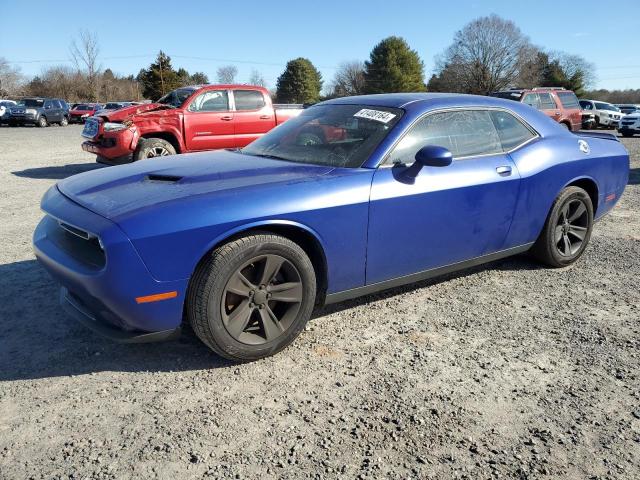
x=153, y=147
x=252, y=297
x=42, y=121
x=567, y=230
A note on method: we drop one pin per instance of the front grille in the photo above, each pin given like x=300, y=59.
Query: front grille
x=77, y=243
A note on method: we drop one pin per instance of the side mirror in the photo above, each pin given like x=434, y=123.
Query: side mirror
x=430, y=156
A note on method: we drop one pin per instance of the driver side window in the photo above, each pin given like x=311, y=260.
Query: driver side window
x=464, y=133
x=211, y=101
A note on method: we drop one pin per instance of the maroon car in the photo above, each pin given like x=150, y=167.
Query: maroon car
x=82, y=111
x=556, y=102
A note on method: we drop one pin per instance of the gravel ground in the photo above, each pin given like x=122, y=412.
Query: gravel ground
x=509, y=370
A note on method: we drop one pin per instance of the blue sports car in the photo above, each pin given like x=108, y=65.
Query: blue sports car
x=354, y=196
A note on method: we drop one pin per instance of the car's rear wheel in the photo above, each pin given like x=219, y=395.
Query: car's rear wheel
x=252, y=297
x=42, y=121
x=64, y=122
x=567, y=230
x=153, y=147
x=627, y=134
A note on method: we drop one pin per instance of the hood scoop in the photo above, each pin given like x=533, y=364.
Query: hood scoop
x=159, y=177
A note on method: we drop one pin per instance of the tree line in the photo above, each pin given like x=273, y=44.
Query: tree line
x=488, y=54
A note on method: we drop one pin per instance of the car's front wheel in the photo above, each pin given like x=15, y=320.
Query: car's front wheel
x=567, y=230
x=153, y=147
x=252, y=297
x=42, y=121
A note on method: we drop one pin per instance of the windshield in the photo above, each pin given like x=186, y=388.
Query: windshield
x=31, y=102
x=84, y=107
x=331, y=135
x=606, y=106
x=109, y=106
x=177, y=97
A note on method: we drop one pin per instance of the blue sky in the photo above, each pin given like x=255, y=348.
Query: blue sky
x=203, y=35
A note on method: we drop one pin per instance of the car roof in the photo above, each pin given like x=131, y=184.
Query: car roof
x=399, y=100
x=414, y=100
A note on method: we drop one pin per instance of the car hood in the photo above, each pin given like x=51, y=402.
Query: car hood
x=126, y=189
x=128, y=112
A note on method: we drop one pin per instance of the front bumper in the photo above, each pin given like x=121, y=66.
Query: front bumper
x=23, y=118
x=113, y=145
x=629, y=126
x=102, y=295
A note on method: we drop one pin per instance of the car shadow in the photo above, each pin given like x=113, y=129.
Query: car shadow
x=38, y=340
x=634, y=176
x=58, y=172
x=517, y=262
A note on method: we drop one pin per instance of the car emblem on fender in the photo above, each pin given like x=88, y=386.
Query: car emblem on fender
x=584, y=146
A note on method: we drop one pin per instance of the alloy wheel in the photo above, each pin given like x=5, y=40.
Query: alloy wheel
x=157, y=152
x=261, y=299
x=571, y=227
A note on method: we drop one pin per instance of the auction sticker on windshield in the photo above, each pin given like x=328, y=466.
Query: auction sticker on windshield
x=377, y=115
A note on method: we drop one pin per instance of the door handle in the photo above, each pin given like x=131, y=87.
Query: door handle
x=226, y=118
x=504, y=170
x=265, y=117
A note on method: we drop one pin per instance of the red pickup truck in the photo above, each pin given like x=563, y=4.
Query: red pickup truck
x=189, y=119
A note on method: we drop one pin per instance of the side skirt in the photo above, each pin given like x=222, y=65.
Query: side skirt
x=424, y=275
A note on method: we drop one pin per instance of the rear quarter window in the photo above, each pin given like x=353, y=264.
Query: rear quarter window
x=511, y=131
x=568, y=100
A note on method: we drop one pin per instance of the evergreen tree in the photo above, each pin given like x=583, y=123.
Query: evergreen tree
x=159, y=79
x=394, y=67
x=300, y=82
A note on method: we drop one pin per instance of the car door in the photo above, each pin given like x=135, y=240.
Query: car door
x=548, y=106
x=253, y=117
x=446, y=214
x=49, y=111
x=208, y=121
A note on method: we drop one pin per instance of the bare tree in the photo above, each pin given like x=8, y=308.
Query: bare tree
x=349, y=79
x=84, y=53
x=256, y=78
x=227, y=74
x=11, y=80
x=487, y=55
x=575, y=65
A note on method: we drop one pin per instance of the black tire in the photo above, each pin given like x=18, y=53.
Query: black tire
x=153, y=147
x=627, y=134
x=64, y=122
x=240, y=266
x=42, y=121
x=567, y=230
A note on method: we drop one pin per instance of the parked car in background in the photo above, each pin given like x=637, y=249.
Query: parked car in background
x=630, y=124
x=111, y=106
x=188, y=119
x=557, y=103
x=588, y=120
x=607, y=115
x=39, y=111
x=627, y=108
x=354, y=196
x=82, y=111
x=4, y=110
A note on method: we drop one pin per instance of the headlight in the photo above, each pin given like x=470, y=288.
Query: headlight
x=30, y=111
x=113, y=127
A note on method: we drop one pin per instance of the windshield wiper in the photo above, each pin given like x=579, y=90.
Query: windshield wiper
x=267, y=155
